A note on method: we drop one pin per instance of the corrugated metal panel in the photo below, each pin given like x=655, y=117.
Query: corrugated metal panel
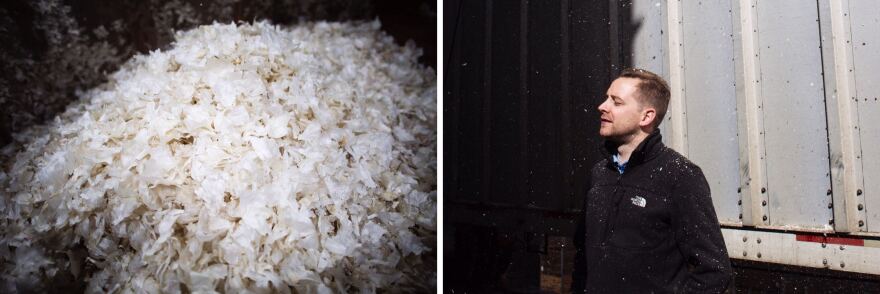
x=864, y=24
x=523, y=82
x=752, y=114
x=544, y=82
x=711, y=100
x=488, y=111
x=590, y=75
x=758, y=112
x=451, y=188
x=467, y=71
x=741, y=119
x=504, y=132
x=846, y=157
x=830, y=88
x=798, y=172
x=647, y=43
x=674, y=129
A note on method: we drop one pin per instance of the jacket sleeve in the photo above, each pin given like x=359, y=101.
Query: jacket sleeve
x=698, y=234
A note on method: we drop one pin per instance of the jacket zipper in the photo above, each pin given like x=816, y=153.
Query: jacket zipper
x=612, y=219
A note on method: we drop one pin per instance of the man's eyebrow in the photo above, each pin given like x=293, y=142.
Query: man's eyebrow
x=614, y=97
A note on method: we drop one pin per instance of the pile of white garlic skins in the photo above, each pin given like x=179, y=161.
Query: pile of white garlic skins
x=247, y=157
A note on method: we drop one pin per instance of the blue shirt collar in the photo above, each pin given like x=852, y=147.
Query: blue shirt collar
x=621, y=167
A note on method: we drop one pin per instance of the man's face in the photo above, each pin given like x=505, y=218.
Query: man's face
x=622, y=113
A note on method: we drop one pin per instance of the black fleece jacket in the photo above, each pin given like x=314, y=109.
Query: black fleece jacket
x=651, y=229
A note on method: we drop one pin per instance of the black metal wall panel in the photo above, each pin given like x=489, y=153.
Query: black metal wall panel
x=450, y=101
x=522, y=85
x=505, y=122
x=467, y=73
x=544, y=85
x=523, y=81
x=590, y=76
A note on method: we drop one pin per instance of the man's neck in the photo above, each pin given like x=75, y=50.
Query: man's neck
x=625, y=150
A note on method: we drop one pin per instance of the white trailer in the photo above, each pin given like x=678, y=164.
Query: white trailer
x=777, y=101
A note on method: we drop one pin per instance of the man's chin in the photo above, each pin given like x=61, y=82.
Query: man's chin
x=610, y=137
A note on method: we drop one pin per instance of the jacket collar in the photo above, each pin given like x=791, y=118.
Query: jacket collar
x=648, y=149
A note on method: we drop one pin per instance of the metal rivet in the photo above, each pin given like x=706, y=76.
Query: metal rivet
x=861, y=223
x=824, y=245
x=740, y=202
x=859, y=192
x=739, y=190
x=759, y=254
x=825, y=261
x=842, y=264
x=740, y=216
x=841, y=247
x=830, y=221
x=830, y=206
x=765, y=218
x=861, y=207
x=764, y=203
x=745, y=253
x=745, y=239
x=828, y=192
x=765, y=190
x=759, y=240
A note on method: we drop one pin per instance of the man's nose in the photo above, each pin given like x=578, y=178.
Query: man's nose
x=602, y=107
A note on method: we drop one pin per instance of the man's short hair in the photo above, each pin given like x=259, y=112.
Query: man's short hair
x=653, y=90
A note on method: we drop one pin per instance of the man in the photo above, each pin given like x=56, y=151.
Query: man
x=648, y=223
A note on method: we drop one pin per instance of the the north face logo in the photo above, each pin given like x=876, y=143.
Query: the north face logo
x=638, y=201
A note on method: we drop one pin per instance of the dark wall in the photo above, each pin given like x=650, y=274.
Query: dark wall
x=522, y=83
x=523, y=80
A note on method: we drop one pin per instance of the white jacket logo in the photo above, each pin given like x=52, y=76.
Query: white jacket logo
x=638, y=201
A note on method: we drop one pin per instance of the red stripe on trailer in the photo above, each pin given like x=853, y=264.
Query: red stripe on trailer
x=811, y=238
x=846, y=241
x=831, y=240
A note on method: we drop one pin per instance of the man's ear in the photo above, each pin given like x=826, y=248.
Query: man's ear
x=649, y=114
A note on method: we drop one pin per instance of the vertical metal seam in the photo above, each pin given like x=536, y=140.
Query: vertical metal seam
x=565, y=107
x=678, y=117
x=524, y=100
x=832, y=129
x=825, y=96
x=456, y=109
x=614, y=36
x=487, y=105
x=754, y=112
x=847, y=112
x=762, y=134
x=665, y=63
x=863, y=214
x=664, y=40
x=741, y=120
